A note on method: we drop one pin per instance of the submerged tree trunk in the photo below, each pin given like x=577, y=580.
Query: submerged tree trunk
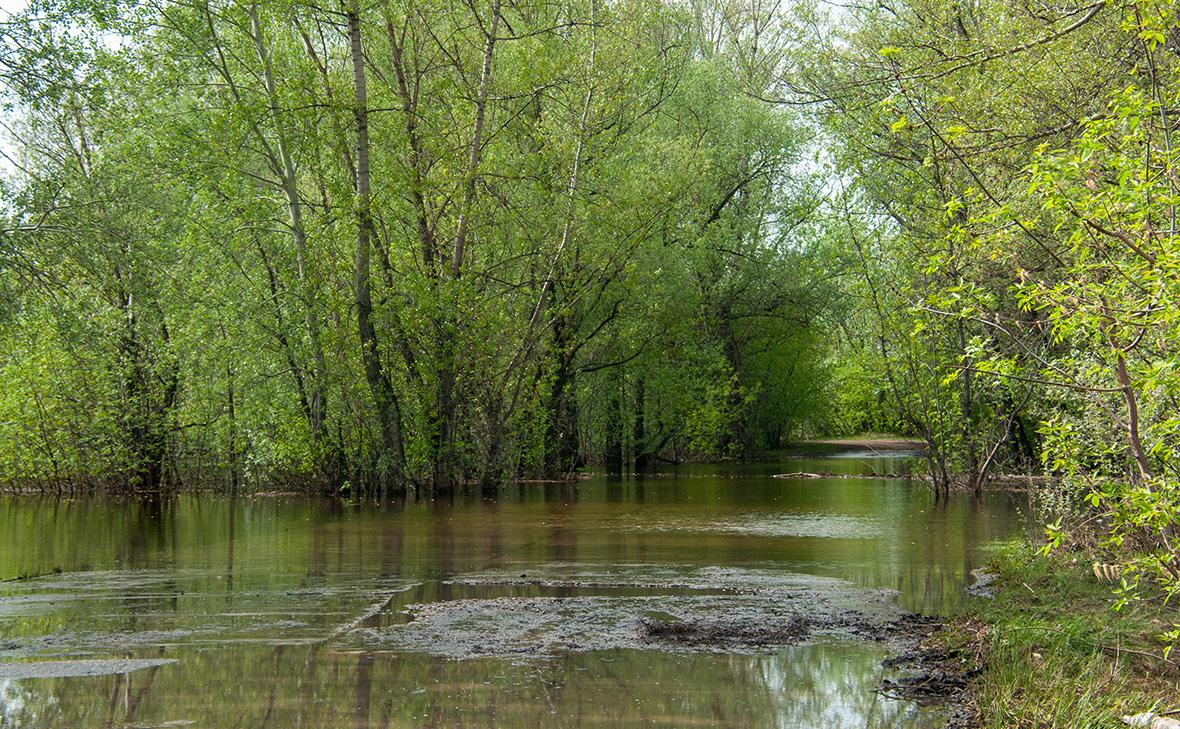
x=613, y=457
x=562, y=446
x=639, y=430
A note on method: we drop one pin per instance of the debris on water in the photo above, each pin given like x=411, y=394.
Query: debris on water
x=727, y=634
x=934, y=673
x=982, y=587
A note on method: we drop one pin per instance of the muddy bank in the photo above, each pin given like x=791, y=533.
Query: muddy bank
x=537, y=613
x=932, y=672
x=710, y=610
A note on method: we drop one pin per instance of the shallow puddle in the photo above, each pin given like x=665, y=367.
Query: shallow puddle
x=716, y=596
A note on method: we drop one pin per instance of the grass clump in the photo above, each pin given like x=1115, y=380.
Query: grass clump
x=1054, y=652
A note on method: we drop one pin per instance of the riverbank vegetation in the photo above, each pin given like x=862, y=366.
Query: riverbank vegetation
x=1014, y=192
x=391, y=248
x=1053, y=653
x=397, y=247
x=403, y=247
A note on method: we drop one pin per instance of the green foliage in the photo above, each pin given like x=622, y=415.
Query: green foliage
x=587, y=253
x=1057, y=656
x=1111, y=196
x=1013, y=215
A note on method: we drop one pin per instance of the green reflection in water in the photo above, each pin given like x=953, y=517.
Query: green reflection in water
x=251, y=598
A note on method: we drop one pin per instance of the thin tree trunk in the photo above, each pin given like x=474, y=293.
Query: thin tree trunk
x=1138, y=452
x=233, y=431
x=966, y=409
x=392, y=460
x=561, y=437
x=639, y=430
x=475, y=150
x=445, y=331
x=283, y=164
x=613, y=457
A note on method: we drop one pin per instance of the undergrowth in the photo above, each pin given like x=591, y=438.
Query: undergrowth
x=1057, y=655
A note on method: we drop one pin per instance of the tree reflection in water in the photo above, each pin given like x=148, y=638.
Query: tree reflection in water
x=249, y=597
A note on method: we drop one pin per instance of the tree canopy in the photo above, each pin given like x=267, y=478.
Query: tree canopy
x=400, y=246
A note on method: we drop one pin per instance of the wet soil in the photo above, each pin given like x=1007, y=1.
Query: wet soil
x=641, y=607
x=932, y=672
x=725, y=634
x=983, y=584
x=880, y=445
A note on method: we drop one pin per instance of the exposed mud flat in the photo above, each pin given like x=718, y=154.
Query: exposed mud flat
x=717, y=610
x=540, y=612
x=68, y=669
x=726, y=633
x=746, y=580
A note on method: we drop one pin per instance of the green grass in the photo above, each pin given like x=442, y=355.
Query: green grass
x=1056, y=655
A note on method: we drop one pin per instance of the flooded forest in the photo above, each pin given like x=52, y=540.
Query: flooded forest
x=588, y=363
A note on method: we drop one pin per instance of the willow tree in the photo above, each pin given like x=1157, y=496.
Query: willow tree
x=379, y=248
x=1021, y=167
x=935, y=109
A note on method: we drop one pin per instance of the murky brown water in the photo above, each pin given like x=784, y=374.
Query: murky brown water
x=523, y=611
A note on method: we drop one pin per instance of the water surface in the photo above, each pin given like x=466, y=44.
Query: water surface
x=518, y=611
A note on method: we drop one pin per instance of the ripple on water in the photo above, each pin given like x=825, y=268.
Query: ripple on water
x=88, y=614
x=810, y=525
